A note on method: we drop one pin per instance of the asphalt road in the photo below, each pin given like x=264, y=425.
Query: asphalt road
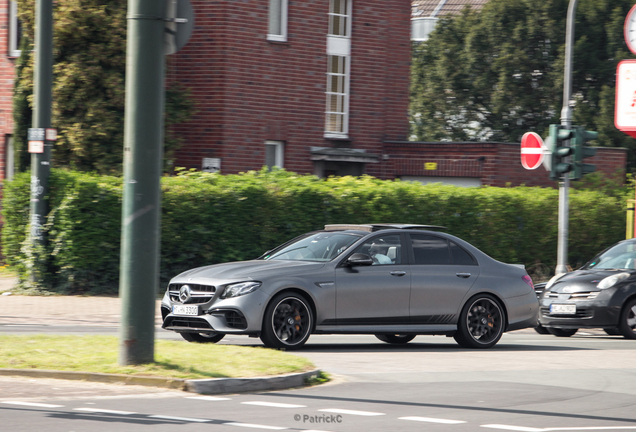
x=528, y=382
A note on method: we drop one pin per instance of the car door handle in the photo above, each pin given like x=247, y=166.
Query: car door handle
x=398, y=273
x=463, y=275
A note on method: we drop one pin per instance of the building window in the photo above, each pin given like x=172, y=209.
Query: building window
x=9, y=159
x=15, y=30
x=277, y=30
x=338, y=69
x=274, y=151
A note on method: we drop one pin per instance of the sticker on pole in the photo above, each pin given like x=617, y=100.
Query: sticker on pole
x=532, y=150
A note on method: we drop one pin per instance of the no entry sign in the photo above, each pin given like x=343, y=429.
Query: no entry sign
x=531, y=150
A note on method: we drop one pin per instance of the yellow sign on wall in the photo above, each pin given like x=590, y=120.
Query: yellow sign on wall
x=430, y=166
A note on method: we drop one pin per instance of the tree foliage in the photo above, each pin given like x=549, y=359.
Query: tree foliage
x=89, y=43
x=497, y=73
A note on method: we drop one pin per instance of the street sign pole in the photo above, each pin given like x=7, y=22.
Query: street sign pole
x=566, y=120
x=143, y=154
x=40, y=159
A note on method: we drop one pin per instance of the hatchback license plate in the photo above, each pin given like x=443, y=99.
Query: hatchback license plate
x=563, y=309
x=185, y=310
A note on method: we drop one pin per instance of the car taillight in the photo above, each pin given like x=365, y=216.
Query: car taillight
x=527, y=280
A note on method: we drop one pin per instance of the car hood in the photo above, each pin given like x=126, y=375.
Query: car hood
x=248, y=270
x=585, y=280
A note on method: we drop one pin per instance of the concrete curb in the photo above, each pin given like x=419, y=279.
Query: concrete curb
x=201, y=386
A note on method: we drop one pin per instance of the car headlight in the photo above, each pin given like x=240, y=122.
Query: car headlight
x=610, y=281
x=553, y=280
x=240, y=289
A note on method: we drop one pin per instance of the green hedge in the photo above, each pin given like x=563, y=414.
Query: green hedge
x=210, y=218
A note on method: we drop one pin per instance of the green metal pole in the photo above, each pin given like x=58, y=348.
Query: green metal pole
x=143, y=148
x=42, y=82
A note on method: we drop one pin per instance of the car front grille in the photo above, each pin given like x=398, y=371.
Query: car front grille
x=186, y=322
x=235, y=320
x=587, y=295
x=198, y=293
x=581, y=312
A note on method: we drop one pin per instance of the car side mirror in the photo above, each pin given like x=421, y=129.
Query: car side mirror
x=359, y=259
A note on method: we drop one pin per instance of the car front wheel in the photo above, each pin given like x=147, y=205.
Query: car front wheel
x=203, y=337
x=395, y=338
x=562, y=332
x=627, y=325
x=288, y=322
x=481, y=323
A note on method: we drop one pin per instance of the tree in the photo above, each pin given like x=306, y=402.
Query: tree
x=497, y=73
x=88, y=86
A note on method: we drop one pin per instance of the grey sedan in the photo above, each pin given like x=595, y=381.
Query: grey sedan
x=392, y=281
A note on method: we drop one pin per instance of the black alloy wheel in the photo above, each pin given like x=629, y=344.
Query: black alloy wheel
x=627, y=324
x=559, y=332
x=395, y=338
x=481, y=323
x=203, y=337
x=288, y=322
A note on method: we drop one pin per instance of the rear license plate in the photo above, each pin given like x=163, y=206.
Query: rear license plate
x=563, y=309
x=185, y=310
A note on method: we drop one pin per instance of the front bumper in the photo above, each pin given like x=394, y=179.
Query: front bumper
x=597, y=313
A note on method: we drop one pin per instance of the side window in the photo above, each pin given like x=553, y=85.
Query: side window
x=429, y=249
x=383, y=250
x=460, y=256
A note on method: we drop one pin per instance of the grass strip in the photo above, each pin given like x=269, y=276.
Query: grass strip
x=173, y=359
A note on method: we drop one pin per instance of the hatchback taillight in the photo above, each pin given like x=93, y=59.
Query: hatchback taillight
x=527, y=280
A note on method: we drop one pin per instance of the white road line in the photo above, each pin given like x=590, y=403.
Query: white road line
x=33, y=404
x=432, y=420
x=512, y=428
x=255, y=426
x=274, y=405
x=360, y=413
x=208, y=398
x=185, y=419
x=103, y=411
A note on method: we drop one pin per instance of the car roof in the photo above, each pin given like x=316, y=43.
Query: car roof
x=378, y=227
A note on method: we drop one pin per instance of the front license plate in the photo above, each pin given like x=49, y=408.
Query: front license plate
x=563, y=309
x=185, y=310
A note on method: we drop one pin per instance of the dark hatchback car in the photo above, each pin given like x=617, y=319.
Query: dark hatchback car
x=391, y=281
x=601, y=294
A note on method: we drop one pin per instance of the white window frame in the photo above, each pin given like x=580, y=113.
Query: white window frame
x=14, y=29
x=279, y=153
x=281, y=36
x=9, y=159
x=339, y=45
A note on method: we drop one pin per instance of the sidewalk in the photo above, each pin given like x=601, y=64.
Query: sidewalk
x=60, y=310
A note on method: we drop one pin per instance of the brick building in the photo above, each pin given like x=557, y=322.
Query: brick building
x=317, y=86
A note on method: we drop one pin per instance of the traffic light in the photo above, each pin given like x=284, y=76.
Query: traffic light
x=560, y=151
x=581, y=137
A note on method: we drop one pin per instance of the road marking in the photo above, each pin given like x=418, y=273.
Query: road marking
x=103, y=411
x=208, y=398
x=432, y=420
x=185, y=419
x=360, y=413
x=33, y=404
x=255, y=426
x=274, y=405
x=531, y=429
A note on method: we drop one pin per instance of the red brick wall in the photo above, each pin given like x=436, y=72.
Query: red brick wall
x=7, y=75
x=249, y=90
x=495, y=164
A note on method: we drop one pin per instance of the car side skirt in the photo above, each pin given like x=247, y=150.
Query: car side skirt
x=434, y=329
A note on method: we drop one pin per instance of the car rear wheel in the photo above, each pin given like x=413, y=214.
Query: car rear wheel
x=558, y=332
x=627, y=324
x=288, y=322
x=481, y=323
x=395, y=338
x=203, y=337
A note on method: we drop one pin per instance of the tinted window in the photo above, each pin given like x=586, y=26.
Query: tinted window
x=430, y=249
x=460, y=256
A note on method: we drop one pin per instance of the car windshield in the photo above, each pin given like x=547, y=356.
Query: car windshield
x=322, y=246
x=621, y=256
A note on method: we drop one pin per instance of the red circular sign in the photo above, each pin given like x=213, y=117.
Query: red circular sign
x=531, y=150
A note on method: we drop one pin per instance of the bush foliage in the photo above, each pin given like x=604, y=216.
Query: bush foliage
x=212, y=218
